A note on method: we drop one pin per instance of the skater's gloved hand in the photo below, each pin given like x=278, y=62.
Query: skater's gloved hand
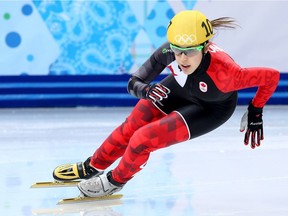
x=252, y=119
x=156, y=92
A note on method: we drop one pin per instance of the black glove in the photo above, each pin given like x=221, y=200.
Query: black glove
x=252, y=118
x=156, y=92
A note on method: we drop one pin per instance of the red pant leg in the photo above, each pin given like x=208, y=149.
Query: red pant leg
x=115, y=145
x=162, y=133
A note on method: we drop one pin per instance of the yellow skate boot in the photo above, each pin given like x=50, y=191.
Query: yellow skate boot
x=80, y=170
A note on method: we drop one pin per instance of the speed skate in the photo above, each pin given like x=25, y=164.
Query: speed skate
x=78, y=199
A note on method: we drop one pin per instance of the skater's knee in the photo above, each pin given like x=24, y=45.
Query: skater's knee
x=128, y=128
x=139, y=143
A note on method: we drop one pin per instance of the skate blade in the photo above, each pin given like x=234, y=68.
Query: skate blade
x=55, y=184
x=89, y=199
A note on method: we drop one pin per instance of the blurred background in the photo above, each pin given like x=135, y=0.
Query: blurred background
x=81, y=53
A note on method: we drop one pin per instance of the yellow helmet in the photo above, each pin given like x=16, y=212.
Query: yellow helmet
x=189, y=28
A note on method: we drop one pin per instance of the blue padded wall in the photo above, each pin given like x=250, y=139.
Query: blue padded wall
x=96, y=90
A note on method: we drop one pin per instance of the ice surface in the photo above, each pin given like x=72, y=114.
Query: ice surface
x=213, y=175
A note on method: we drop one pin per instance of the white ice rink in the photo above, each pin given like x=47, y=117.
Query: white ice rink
x=214, y=175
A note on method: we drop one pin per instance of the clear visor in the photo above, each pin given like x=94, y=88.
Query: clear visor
x=188, y=51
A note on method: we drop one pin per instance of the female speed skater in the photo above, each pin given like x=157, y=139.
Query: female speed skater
x=198, y=96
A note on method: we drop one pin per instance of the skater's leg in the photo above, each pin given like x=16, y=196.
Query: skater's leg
x=115, y=145
x=186, y=123
x=162, y=133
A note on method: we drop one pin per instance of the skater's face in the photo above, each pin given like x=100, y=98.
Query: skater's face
x=188, y=58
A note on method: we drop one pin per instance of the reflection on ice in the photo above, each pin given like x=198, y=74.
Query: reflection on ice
x=87, y=208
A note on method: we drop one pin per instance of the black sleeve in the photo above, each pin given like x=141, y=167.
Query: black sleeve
x=136, y=87
x=157, y=62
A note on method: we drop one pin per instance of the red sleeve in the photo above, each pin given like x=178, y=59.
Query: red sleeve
x=228, y=76
x=265, y=78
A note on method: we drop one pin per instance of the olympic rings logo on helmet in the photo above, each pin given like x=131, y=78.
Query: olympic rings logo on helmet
x=185, y=39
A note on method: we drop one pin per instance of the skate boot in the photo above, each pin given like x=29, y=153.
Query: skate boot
x=99, y=186
x=80, y=170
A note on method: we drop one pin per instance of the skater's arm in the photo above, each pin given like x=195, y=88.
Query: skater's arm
x=139, y=83
x=266, y=79
x=229, y=76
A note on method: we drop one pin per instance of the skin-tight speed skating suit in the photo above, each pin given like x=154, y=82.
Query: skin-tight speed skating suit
x=197, y=104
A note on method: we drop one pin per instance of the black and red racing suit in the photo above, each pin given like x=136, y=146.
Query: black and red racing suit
x=197, y=104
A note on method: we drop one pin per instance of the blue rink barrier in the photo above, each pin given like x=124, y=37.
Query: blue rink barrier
x=96, y=90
